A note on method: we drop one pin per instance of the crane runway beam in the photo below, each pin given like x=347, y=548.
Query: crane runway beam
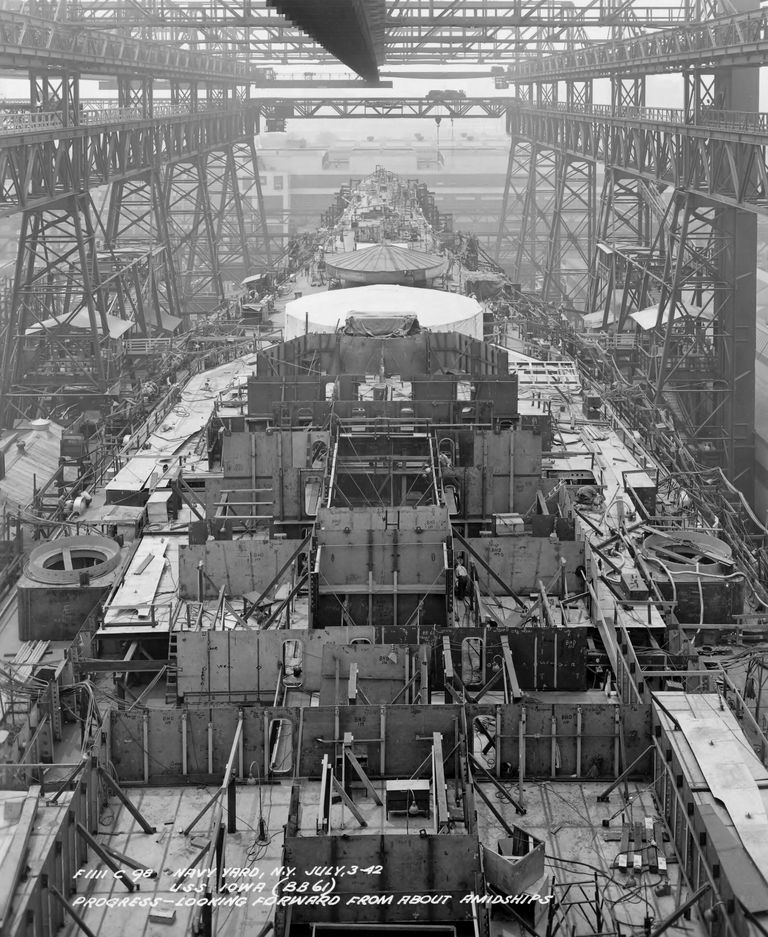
x=418, y=15
x=740, y=40
x=33, y=172
x=28, y=42
x=418, y=107
x=684, y=156
x=352, y=30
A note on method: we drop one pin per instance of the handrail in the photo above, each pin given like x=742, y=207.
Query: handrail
x=104, y=113
x=96, y=47
x=710, y=38
x=746, y=121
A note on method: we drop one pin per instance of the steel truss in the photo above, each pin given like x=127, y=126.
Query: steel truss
x=38, y=42
x=694, y=355
x=240, y=226
x=626, y=206
x=37, y=167
x=553, y=245
x=417, y=14
x=183, y=205
x=538, y=217
x=674, y=239
x=419, y=31
x=59, y=326
x=136, y=221
x=189, y=207
x=675, y=229
x=714, y=41
x=508, y=243
x=726, y=165
x=287, y=108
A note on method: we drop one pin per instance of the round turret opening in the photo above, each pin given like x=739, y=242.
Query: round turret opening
x=62, y=561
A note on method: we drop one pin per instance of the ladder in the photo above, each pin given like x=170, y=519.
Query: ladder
x=171, y=673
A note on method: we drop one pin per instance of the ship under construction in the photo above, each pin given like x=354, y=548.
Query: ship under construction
x=398, y=571
x=385, y=623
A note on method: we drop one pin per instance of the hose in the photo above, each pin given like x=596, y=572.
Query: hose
x=655, y=559
x=701, y=597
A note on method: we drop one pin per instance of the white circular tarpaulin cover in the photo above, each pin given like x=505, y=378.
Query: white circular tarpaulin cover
x=435, y=310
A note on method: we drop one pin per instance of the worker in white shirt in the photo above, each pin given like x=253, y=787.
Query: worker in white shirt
x=462, y=581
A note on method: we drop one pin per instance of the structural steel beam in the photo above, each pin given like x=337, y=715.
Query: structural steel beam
x=740, y=40
x=352, y=30
x=724, y=158
x=41, y=167
x=34, y=42
x=416, y=14
x=446, y=106
x=424, y=31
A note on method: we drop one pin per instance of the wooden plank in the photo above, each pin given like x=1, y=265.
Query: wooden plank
x=13, y=861
x=31, y=653
x=40, y=458
x=514, y=686
x=424, y=682
x=347, y=802
x=624, y=847
x=659, y=861
x=140, y=583
x=450, y=501
x=324, y=808
x=134, y=475
x=649, y=851
x=637, y=856
x=358, y=769
x=352, y=683
x=441, y=795
x=447, y=659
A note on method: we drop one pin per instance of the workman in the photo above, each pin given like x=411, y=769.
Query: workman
x=462, y=581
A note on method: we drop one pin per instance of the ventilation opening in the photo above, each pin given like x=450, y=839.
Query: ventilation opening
x=691, y=553
x=73, y=559
x=68, y=559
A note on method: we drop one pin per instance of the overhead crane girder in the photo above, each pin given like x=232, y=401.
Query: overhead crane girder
x=739, y=40
x=352, y=30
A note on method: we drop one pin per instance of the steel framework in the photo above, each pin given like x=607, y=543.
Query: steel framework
x=368, y=107
x=673, y=229
x=416, y=31
x=671, y=251
x=183, y=213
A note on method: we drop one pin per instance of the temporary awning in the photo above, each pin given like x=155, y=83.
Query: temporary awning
x=169, y=323
x=647, y=318
x=255, y=278
x=594, y=320
x=81, y=320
